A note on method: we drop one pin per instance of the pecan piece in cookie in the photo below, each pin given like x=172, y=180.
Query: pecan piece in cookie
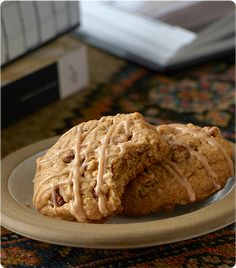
x=68, y=158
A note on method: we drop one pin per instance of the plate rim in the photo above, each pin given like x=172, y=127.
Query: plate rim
x=21, y=220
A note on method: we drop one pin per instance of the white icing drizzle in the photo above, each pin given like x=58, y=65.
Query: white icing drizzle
x=88, y=149
x=76, y=167
x=205, y=135
x=102, y=204
x=126, y=126
x=103, y=157
x=63, y=145
x=121, y=148
x=52, y=188
x=76, y=204
x=54, y=201
x=44, y=161
x=102, y=160
x=70, y=183
x=212, y=142
x=212, y=175
x=173, y=169
x=65, y=172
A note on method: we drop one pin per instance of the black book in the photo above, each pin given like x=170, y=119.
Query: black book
x=52, y=72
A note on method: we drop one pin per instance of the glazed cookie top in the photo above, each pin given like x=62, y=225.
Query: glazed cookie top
x=82, y=170
x=198, y=165
x=196, y=141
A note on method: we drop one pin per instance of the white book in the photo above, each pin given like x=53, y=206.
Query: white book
x=125, y=29
x=73, y=11
x=187, y=14
x=13, y=29
x=26, y=25
x=30, y=24
x=3, y=48
x=46, y=18
x=61, y=15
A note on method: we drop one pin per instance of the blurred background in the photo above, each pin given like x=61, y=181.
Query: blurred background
x=54, y=51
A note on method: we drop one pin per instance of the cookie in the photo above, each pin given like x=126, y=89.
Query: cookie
x=82, y=177
x=198, y=165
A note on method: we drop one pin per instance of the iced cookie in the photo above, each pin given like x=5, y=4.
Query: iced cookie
x=82, y=177
x=198, y=165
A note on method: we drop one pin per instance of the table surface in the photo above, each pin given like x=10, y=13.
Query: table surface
x=203, y=94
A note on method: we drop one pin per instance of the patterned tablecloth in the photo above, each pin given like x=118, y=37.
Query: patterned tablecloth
x=203, y=95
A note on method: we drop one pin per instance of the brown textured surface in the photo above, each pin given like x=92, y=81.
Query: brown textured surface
x=157, y=189
x=143, y=148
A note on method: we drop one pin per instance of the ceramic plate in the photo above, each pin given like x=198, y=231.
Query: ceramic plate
x=183, y=223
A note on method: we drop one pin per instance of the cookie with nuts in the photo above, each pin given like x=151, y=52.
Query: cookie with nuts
x=198, y=165
x=82, y=177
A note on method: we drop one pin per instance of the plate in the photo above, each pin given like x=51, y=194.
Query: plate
x=120, y=232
